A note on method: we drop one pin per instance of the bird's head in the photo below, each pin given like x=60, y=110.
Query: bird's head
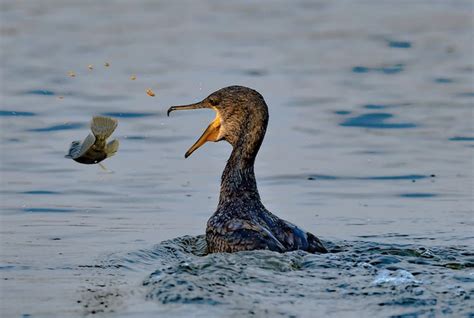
x=241, y=117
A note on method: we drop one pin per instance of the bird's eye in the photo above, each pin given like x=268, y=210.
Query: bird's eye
x=214, y=100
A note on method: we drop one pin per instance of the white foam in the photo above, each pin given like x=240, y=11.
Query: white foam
x=397, y=277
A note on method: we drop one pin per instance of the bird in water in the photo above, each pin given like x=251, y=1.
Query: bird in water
x=95, y=148
x=241, y=222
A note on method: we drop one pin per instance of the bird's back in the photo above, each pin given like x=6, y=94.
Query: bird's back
x=238, y=227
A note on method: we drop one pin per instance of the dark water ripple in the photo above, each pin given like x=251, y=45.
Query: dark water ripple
x=418, y=195
x=45, y=92
x=375, y=106
x=8, y=113
x=462, y=138
x=375, y=120
x=389, y=69
x=362, y=275
x=400, y=177
x=66, y=126
x=41, y=192
x=47, y=210
x=399, y=44
x=156, y=139
x=325, y=177
x=443, y=80
x=255, y=72
x=129, y=114
x=342, y=112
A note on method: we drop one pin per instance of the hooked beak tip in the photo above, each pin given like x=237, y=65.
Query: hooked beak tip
x=184, y=107
x=210, y=134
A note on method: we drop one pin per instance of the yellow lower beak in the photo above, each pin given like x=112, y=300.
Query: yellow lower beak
x=210, y=134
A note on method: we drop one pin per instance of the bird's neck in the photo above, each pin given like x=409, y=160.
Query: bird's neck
x=238, y=179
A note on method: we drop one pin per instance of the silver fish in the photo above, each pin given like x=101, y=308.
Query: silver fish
x=94, y=148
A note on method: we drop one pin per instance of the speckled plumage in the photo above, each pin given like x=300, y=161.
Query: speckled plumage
x=241, y=222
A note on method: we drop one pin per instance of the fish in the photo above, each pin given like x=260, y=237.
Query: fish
x=94, y=148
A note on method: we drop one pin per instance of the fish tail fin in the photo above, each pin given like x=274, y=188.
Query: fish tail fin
x=112, y=148
x=103, y=127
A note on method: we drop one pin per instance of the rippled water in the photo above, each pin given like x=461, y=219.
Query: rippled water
x=357, y=276
x=370, y=146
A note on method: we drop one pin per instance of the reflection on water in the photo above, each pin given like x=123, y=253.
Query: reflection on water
x=47, y=210
x=370, y=138
x=283, y=178
x=399, y=44
x=128, y=114
x=66, y=126
x=375, y=120
x=40, y=92
x=461, y=138
x=418, y=195
x=15, y=113
x=41, y=192
x=389, y=69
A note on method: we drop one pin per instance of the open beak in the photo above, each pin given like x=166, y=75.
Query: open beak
x=210, y=134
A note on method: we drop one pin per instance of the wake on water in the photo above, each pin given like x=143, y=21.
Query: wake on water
x=357, y=276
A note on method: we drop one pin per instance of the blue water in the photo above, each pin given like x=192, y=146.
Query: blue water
x=40, y=92
x=372, y=106
x=461, y=138
x=67, y=126
x=369, y=146
x=389, y=69
x=47, y=210
x=15, y=113
x=41, y=192
x=375, y=120
x=128, y=114
x=399, y=44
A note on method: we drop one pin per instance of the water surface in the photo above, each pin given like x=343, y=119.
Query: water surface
x=369, y=146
